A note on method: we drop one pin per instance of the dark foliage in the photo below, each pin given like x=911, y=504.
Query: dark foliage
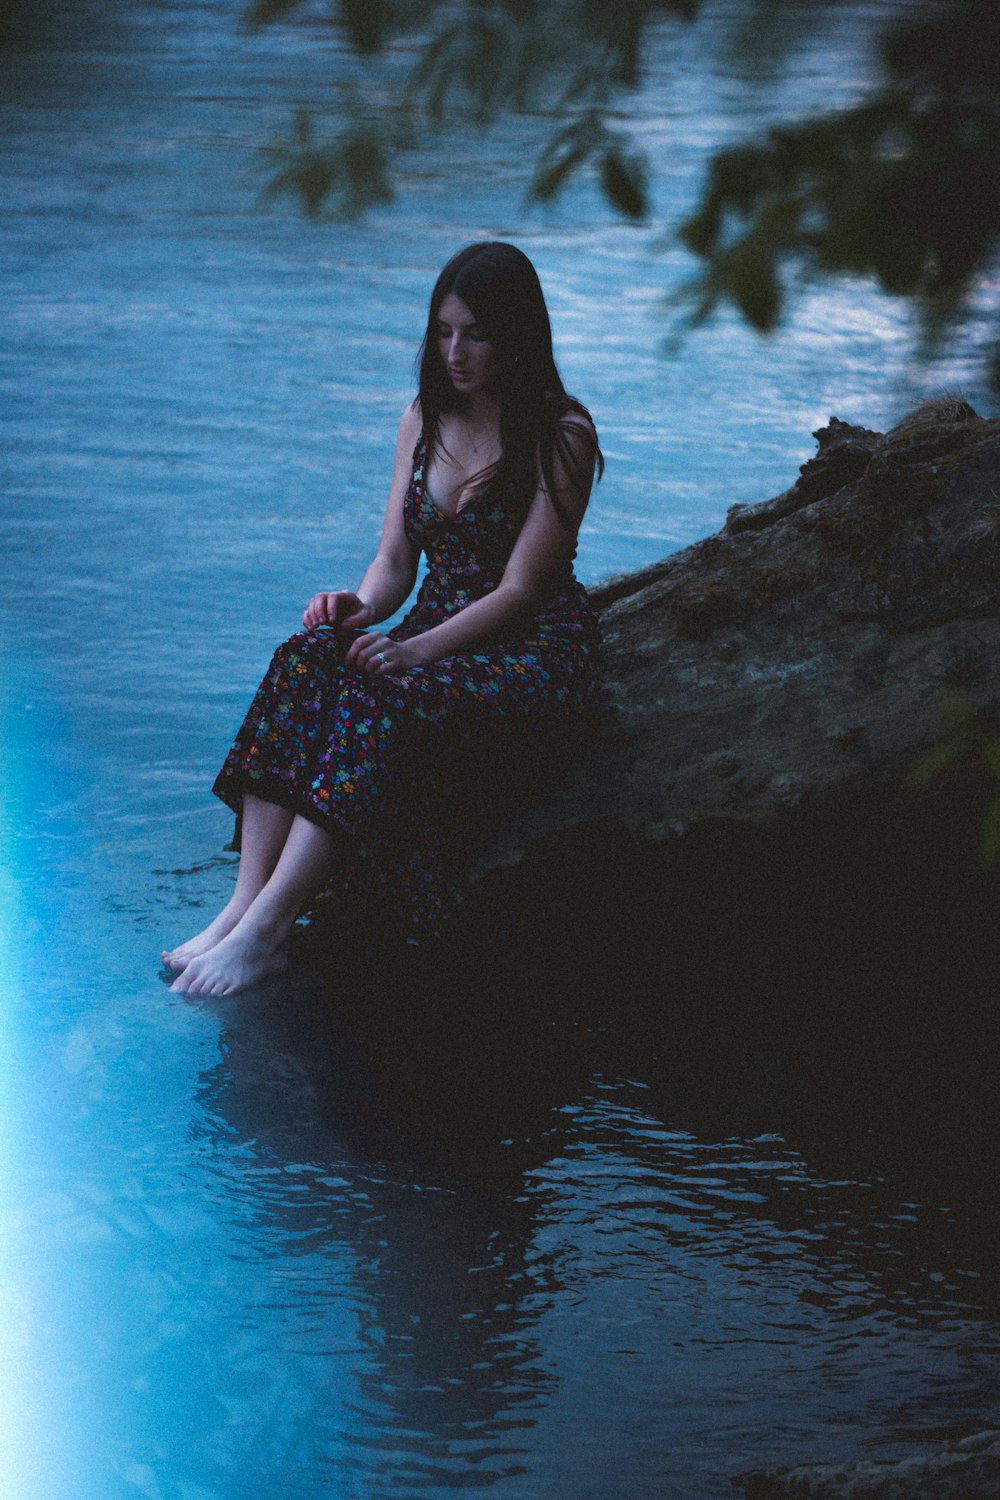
x=336, y=179
x=904, y=187
x=570, y=59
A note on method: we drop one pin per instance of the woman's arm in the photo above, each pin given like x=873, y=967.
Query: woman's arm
x=393, y=570
x=544, y=546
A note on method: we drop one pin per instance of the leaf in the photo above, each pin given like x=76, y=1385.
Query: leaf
x=366, y=22
x=700, y=233
x=567, y=149
x=486, y=69
x=749, y=274
x=439, y=67
x=585, y=83
x=309, y=178
x=550, y=177
x=623, y=178
x=432, y=57
x=314, y=179
x=366, y=173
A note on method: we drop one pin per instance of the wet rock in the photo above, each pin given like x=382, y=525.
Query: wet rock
x=966, y=1470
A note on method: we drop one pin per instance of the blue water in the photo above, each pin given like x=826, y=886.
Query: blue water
x=230, y=1272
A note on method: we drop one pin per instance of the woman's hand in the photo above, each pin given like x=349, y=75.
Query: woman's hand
x=379, y=654
x=339, y=608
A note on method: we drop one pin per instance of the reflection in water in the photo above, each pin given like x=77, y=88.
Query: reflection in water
x=442, y=1365
x=515, y=1244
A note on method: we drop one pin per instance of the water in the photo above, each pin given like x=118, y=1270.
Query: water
x=340, y=1248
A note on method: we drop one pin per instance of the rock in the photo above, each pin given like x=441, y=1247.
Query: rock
x=797, y=660
x=739, y=851
x=966, y=1470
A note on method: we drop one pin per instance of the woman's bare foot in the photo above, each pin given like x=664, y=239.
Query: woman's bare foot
x=220, y=927
x=244, y=957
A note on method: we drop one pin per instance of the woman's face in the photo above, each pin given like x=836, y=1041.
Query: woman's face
x=466, y=352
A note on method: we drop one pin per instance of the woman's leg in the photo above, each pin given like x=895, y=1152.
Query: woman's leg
x=263, y=833
x=255, y=946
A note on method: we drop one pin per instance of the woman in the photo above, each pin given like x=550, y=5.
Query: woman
x=355, y=745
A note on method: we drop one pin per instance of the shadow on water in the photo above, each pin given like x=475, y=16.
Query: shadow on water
x=739, y=1070
x=835, y=983
x=832, y=978
x=835, y=980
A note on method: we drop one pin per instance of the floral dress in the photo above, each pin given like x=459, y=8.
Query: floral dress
x=399, y=762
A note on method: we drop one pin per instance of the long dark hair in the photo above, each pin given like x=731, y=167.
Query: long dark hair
x=500, y=287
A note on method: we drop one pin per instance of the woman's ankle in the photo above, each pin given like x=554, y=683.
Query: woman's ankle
x=265, y=925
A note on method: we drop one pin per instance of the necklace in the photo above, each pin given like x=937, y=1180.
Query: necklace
x=483, y=442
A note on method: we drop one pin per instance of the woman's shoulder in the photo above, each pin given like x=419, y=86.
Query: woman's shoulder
x=571, y=417
x=574, y=443
x=412, y=421
x=573, y=432
x=411, y=428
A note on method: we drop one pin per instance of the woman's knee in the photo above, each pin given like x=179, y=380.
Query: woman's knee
x=319, y=646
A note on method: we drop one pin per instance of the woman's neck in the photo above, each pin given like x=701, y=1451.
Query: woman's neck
x=482, y=410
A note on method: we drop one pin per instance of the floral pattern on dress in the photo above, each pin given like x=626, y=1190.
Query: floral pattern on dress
x=397, y=761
